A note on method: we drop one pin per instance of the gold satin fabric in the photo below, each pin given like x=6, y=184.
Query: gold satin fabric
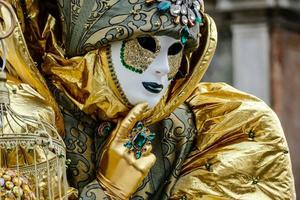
x=87, y=81
x=115, y=158
x=20, y=63
x=241, y=150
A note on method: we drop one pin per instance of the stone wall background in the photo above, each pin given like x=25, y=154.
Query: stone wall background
x=259, y=52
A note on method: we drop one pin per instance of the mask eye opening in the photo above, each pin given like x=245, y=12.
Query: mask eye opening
x=149, y=43
x=175, y=48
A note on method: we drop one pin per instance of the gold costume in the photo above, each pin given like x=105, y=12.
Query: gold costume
x=220, y=143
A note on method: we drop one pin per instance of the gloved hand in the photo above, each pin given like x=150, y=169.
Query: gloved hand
x=126, y=158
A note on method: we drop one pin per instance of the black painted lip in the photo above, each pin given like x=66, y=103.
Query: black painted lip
x=153, y=87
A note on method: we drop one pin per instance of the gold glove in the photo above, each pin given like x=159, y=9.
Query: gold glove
x=126, y=158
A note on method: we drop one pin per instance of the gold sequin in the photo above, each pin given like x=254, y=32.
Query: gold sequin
x=136, y=56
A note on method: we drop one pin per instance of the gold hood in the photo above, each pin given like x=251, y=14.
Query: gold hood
x=86, y=79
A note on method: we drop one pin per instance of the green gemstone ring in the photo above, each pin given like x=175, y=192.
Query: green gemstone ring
x=138, y=138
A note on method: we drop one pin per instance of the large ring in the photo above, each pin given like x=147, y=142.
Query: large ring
x=4, y=35
x=139, y=137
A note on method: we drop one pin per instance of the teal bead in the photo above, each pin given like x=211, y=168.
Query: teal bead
x=128, y=144
x=138, y=154
x=184, y=39
x=139, y=125
x=107, y=130
x=185, y=33
x=151, y=137
x=199, y=20
x=140, y=140
x=164, y=6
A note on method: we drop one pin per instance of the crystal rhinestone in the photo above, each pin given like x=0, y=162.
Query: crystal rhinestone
x=183, y=9
x=198, y=16
x=140, y=140
x=197, y=5
x=175, y=10
x=164, y=6
x=184, y=20
x=191, y=15
x=179, y=2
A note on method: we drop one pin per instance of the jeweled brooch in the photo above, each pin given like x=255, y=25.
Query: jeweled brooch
x=139, y=137
x=185, y=12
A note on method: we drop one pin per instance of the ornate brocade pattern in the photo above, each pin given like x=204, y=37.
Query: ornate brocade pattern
x=79, y=137
x=175, y=136
x=91, y=24
x=84, y=140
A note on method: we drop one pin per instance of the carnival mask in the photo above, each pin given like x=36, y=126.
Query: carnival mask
x=145, y=66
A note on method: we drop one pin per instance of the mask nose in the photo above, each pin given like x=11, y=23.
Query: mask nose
x=160, y=65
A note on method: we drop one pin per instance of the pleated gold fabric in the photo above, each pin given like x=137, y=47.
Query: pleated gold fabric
x=241, y=149
x=20, y=62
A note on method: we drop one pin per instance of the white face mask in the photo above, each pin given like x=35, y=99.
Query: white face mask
x=144, y=67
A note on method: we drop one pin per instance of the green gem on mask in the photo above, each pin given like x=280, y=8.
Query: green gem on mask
x=199, y=20
x=185, y=34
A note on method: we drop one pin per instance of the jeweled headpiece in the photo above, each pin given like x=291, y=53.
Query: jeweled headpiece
x=91, y=24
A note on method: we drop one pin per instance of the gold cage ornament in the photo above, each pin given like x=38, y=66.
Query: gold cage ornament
x=32, y=153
